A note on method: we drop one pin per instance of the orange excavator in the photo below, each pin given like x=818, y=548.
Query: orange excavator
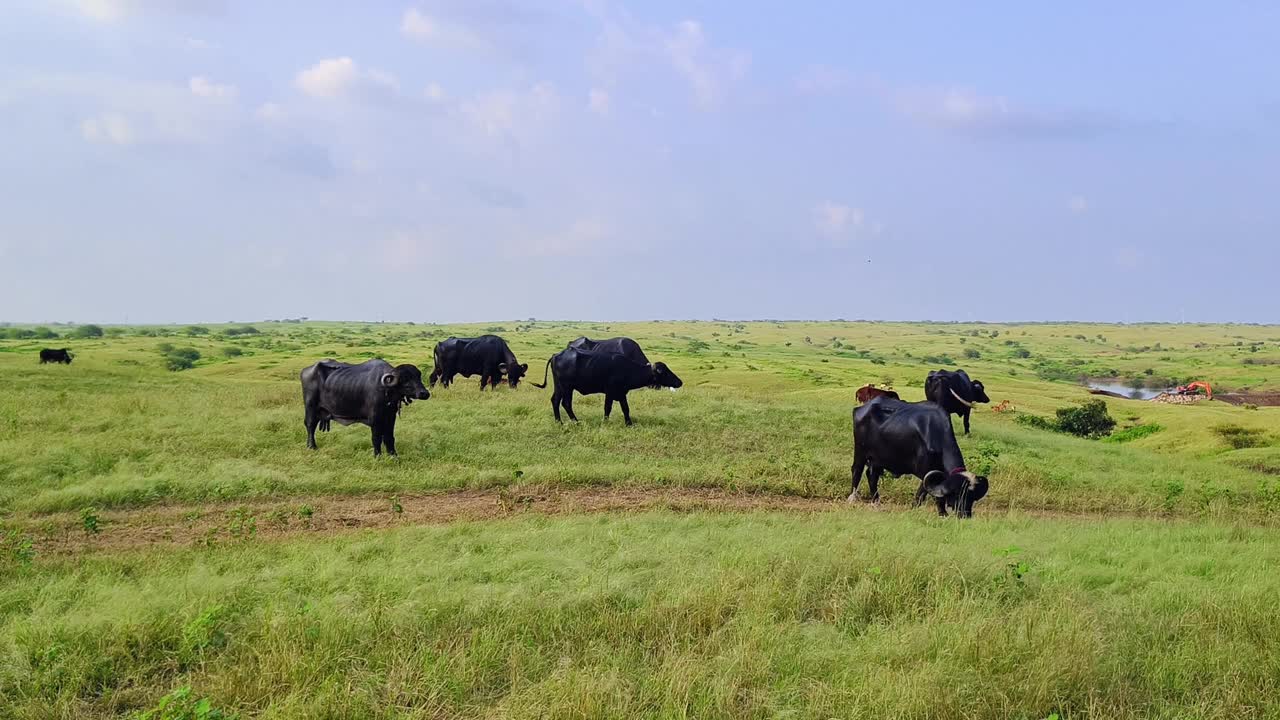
x=1193, y=388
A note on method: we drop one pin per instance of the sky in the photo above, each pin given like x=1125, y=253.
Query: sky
x=471, y=160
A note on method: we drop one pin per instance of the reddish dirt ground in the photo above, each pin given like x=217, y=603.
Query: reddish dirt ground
x=1261, y=399
x=196, y=525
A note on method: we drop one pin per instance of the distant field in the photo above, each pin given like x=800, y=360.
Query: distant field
x=181, y=535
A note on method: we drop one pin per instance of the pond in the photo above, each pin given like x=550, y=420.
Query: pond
x=1130, y=392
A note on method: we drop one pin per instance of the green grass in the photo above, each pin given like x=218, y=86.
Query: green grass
x=857, y=614
x=853, y=613
x=762, y=408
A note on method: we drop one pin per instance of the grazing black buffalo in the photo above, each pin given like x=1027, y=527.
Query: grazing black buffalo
x=610, y=373
x=621, y=345
x=487, y=356
x=913, y=439
x=55, y=356
x=370, y=393
x=954, y=392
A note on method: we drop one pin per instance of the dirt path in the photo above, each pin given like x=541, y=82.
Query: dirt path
x=207, y=525
x=65, y=534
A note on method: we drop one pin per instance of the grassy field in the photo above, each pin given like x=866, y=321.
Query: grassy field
x=1128, y=577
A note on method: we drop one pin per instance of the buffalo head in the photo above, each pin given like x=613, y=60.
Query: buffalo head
x=663, y=377
x=405, y=381
x=513, y=372
x=957, y=490
x=980, y=393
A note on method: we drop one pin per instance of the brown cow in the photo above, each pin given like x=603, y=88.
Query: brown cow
x=867, y=392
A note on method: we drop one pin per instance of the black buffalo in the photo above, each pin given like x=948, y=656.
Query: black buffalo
x=913, y=439
x=55, y=356
x=621, y=345
x=610, y=373
x=487, y=356
x=955, y=393
x=370, y=393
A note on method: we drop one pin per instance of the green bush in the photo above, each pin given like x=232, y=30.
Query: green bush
x=232, y=351
x=181, y=704
x=972, y=354
x=196, y=330
x=243, y=330
x=165, y=347
x=1134, y=433
x=181, y=358
x=1021, y=353
x=1089, y=419
x=87, y=331
x=1240, y=438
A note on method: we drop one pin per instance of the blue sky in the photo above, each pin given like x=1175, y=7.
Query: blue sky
x=462, y=160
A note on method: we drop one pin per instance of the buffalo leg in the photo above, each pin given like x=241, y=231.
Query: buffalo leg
x=377, y=438
x=921, y=494
x=389, y=436
x=966, y=420
x=567, y=399
x=942, y=507
x=555, y=404
x=608, y=406
x=626, y=409
x=312, y=420
x=859, y=463
x=873, y=483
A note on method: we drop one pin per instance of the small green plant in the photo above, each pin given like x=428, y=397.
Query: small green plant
x=396, y=507
x=16, y=548
x=306, y=512
x=241, y=523
x=90, y=521
x=182, y=704
x=1173, y=490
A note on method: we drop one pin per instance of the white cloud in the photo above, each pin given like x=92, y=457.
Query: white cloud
x=964, y=110
x=204, y=87
x=433, y=30
x=628, y=50
x=835, y=219
x=110, y=11
x=839, y=222
x=340, y=77
x=504, y=112
x=1078, y=204
x=586, y=236
x=434, y=92
x=270, y=112
x=709, y=71
x=110, y=128
x=598, y=101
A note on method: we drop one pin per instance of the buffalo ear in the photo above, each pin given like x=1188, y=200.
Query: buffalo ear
x=937, y=484
x=389, y=380
x=502, y=368
x=979, y=488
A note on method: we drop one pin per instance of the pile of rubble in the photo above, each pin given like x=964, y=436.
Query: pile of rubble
x=1177, y=399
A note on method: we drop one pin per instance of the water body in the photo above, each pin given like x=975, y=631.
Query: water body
x=1129, y=392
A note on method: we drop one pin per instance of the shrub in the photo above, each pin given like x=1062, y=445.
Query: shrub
x=87, y=331
x=196, y=330
x=232, y=351
x=1035, y=421
x=181, y=704
x=1022, y=353
x=243, y=330
x=1240, y=438
x=181, y=358
x=1134, y=433
x=972, y=354
x=1089, y=419
x=43, y=333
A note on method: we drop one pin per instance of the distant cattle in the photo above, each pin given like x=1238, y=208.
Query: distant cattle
x=487, y=356
x=610, y=373
x=954, y=392
x=913, y=439
x=55, y=356
x=621, y=345
x=370, y=393
x=867, y=392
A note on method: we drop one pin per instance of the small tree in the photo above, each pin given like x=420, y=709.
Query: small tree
x=1090, y=419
